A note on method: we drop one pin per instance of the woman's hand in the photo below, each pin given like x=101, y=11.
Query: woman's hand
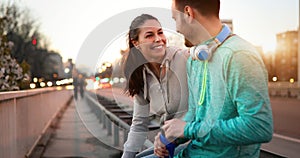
x=159, y=148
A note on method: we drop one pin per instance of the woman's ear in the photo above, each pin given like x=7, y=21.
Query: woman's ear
x=135, y=43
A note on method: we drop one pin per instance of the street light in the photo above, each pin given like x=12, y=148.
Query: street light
x=67, y=70
x=32, y=85
x=35, y=80
x=292, y=80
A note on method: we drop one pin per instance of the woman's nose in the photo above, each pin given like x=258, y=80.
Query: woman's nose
x=157, y=38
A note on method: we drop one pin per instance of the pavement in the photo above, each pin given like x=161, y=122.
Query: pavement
x=72, y=139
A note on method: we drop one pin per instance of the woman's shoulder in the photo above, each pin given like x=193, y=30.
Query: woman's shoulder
x=178, y=51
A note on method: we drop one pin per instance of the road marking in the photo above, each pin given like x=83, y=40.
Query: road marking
x=286, y=138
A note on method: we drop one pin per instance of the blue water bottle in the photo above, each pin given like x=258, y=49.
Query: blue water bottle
x=169, y=145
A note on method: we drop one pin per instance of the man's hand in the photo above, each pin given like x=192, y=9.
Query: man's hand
x=159, y=148
x=174, y=128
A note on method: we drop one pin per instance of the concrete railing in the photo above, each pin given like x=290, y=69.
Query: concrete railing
x=284, y=89
x=25, y=115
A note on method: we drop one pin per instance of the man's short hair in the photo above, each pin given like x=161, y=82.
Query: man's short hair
x=205, y=7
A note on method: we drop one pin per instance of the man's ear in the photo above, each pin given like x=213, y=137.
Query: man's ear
x=189, y=12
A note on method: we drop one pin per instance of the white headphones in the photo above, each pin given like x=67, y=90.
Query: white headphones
x=204, y=51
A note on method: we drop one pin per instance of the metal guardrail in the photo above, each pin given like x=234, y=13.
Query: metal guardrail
x=112, y=123
x=108, y=119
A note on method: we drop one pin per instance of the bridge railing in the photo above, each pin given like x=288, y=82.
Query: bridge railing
x=114, y=126
x=25, y=115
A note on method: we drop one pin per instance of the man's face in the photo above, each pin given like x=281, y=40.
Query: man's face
x=181, y=24
x=192, y=30
x=178, y=17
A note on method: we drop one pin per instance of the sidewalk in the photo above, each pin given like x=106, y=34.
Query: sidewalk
x=72, y=139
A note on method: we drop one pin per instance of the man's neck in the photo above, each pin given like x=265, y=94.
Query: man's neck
x=213, y=26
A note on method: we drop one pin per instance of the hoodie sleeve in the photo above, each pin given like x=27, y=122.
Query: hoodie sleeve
x=139, y=127
x=190, y=115
x=247, y=85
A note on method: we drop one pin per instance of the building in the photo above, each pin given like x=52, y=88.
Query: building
x=286, y=56
x=68, y=68
x=53, y=67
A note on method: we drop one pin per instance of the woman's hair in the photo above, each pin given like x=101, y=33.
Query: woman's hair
x=133, y=66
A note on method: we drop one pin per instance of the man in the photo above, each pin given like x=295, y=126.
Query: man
x=229, y=107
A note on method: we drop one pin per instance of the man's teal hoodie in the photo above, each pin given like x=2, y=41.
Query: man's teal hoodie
x=235, y=117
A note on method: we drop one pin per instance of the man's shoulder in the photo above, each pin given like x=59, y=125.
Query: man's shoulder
x=237, y=44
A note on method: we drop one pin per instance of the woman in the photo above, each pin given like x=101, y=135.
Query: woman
x=156, y=79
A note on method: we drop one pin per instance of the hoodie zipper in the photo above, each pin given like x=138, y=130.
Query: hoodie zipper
x=161, y=85
x=166, y=100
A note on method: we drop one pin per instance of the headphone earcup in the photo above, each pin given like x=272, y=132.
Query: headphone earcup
x=201, y=52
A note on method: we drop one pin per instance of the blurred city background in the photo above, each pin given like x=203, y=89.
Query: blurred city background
x=39, y=45
x=32, y=44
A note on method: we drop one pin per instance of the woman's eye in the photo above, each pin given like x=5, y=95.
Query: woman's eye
x=148, y=36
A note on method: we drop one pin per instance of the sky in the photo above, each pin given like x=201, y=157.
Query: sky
x=68, y=23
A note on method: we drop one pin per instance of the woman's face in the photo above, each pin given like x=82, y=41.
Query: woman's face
x=151, y=41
